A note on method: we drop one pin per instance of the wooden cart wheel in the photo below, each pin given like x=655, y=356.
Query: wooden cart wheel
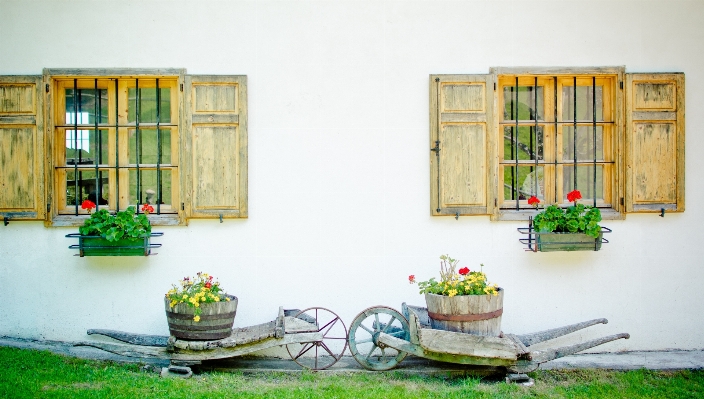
x=319, y=355
x=363, y=335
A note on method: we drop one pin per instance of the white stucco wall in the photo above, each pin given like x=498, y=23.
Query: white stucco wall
x=338, y=163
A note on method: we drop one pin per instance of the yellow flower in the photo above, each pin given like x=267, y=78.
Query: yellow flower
x=196, y=319
x=452, y=293
x=227, y=299
x=217, y=299
x=185, y=296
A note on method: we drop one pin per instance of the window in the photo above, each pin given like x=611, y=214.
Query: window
x=118, y=135
x=498, y=139
x=123, y=137
x=555, y=139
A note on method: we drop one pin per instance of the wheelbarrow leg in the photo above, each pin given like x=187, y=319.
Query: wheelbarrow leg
x=541, y=336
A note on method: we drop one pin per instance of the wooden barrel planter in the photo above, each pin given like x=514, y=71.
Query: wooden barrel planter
x=471, y=314
x=216, y=320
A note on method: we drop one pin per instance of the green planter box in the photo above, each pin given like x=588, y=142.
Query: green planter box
x=550, y=242
x=99, y=246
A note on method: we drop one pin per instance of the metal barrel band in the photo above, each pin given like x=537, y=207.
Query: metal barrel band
x=186, y=316
x=466, y=317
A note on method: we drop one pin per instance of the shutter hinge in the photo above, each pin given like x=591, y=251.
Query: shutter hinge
x=621, y=84
x=47, y=87
x=622, y=201
x=496, y=202
x=183, y=207
x=48, y=207
x=494, y=86
x=181, y=86
x=437, y=148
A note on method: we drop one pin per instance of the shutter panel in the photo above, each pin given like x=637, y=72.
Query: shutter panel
x=216, y=146
x=655, y=142
x=21, y=148
x=461, y=116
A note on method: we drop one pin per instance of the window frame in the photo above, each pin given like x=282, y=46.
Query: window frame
x=616, y=209
x=53, y=80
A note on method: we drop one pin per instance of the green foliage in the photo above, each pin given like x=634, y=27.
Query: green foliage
x=462, y=282
x=34, y=374
x=574, y=219
x=194, y=291
x=124, y=224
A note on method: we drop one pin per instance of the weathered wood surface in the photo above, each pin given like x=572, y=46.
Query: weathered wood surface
x=216, y=319
x=467, y=305
x=134, y=339
x=199, y=355
x=461, y=116
x=216, y=127
x=655, y=139
x=417, y=350
x=457, y=343
x=542, y=336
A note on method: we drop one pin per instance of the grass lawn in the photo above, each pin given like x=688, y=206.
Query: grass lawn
x=34, y=374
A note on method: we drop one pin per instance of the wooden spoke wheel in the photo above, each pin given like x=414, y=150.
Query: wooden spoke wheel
x=319, y=355
x=364, y=333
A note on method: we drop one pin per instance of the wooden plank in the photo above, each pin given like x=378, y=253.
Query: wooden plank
x=215, y=161
x=295, y=325
x=443, y=356
x=654, y=162
x=467, y=344
x=199, y=355
x=654, y=116
x=122, y=72
x=17, y=156
x=213, y=118
x=18, y=120
x=608, y=70
x=462, y=118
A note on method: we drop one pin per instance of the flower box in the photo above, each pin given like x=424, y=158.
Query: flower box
x=556, y=241
x=99, y=246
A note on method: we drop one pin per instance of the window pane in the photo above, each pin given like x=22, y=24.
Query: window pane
x=585, y=143
x=584, y=103
x=149, y=187
x=96, y=190
x=85, y=147
x=88, y=110
x=585, y=181
x=526, y=103
x=526, y=143
x=523, y=181
x=148, y=144
x=148, y=105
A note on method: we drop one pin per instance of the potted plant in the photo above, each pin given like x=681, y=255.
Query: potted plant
x=124, y=233
x=575, y=228
x=463, y=300
x=198, y=309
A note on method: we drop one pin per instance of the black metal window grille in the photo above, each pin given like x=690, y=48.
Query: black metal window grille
x=523, y=129
x=80, y=140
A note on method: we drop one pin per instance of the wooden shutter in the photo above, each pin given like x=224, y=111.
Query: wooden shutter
x=21, y=148
x=216, y=146
x=654, y=142
x=461, y=115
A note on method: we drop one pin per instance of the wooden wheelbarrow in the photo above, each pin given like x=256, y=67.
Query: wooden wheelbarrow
x=315, y=338
x=381, y=337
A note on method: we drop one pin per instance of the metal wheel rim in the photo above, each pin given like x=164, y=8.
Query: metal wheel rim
x=321, y=349
x=366, y=360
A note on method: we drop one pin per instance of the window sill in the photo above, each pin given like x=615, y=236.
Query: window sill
x=523, y=215
x=76, y=221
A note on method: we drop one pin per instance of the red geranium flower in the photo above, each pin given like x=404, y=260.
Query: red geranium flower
x=533, y=200
x=208, y=285
x=88, y=205
x=573, y=196
x=464, y=271
x=146, y=208
x=412, y=278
